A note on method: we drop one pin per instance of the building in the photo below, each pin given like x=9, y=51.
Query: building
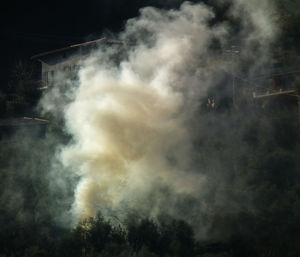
x=35, y=127
x=67, y=59
x=280, y=92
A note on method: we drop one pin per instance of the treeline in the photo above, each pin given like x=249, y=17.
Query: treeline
x=141, y=238
x=96, y=237
x=99, y=237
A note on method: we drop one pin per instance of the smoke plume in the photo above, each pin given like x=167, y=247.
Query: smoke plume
x=133, y=121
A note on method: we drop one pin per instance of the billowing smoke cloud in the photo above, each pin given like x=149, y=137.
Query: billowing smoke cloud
x=133, y=122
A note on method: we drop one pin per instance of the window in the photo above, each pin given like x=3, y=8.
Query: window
x=45, y=77
x=67, y=68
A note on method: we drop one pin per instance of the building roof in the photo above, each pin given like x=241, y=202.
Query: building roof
x=23, y=121
x=93, y=42
x=274, y=93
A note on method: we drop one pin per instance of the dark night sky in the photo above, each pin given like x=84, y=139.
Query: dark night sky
x=31, y=27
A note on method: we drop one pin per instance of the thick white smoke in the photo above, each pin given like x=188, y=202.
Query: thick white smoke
x=132, y=122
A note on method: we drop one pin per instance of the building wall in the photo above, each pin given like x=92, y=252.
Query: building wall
x=50, y=70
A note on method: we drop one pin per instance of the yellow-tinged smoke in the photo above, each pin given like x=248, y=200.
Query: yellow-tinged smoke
x=124, y=129
x=132, y=121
